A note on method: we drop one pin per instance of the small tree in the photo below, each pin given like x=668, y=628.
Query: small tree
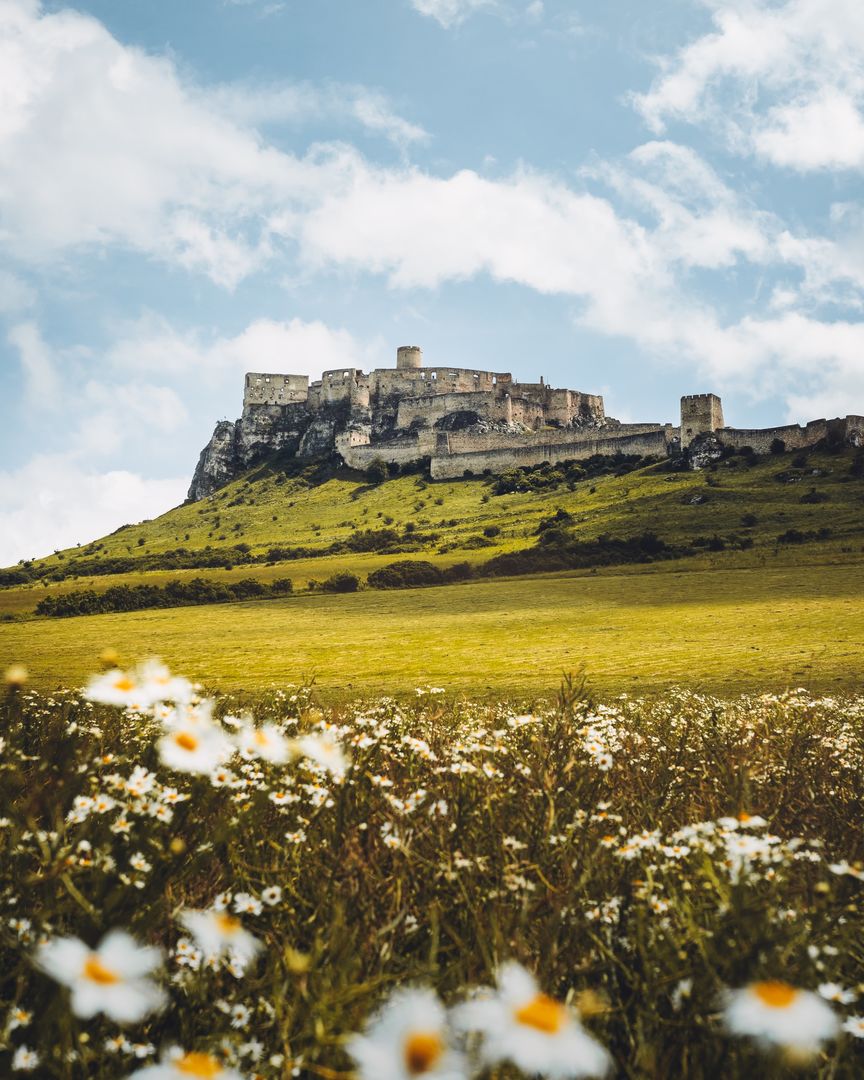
x=377, y=472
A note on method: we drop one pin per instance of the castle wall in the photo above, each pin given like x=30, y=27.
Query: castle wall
x=398, y=452
x=430, y=408
x=463, y=442
x=435, y=380
x=261, y=388
x=793, y=435
x=454, y=465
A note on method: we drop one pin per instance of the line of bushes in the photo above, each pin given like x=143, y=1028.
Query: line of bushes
x=173, y=594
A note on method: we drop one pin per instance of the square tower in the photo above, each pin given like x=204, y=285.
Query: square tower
x=701, y=414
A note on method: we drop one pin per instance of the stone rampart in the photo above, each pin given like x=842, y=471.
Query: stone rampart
x=794, y=436
x=462, y=442
x=454, y=465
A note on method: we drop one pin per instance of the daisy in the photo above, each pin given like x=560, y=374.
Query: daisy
x=24, y=1059
x=536, y=1033
x=272, y=895
x=324, y=750
x=109, y=979
x=854, y=1025
x=835, y=992
x=193, y=744
x=177, y=1065
x=266, y=742
x=407, y=1038
x=115, y=687
x=158, y=684
x=218, y=933
x=776, y=1013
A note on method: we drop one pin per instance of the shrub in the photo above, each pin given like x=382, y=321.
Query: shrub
x=406, y=573
x=492, y=530
x=341, y=583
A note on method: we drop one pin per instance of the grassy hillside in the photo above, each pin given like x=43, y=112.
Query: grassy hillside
x=744, y=612
x=446, y=522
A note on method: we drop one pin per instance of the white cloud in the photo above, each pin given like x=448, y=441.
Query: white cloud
x=296, y=103
x=784, y=81
x=149, y=161
x=54, y=503
x=42, y=382
x=15, y=294
x=451, y=12
x=151, y=344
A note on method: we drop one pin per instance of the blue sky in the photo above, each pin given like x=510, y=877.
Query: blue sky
x=641, y=200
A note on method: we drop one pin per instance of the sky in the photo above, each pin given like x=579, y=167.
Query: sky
x=639, y=200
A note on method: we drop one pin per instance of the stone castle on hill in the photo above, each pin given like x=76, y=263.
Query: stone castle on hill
x=460, y=421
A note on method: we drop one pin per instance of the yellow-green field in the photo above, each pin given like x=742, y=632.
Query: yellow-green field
x=722, y=630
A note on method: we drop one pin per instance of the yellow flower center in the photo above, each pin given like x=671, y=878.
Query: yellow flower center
x=227, y=923
x=543, y=1013
x=744, y=818
x=198, y=1065
x=423, y=1049
x=186, y=741
x=261, y=738
x=124, y=683
x=95, y=971
x=774, y=993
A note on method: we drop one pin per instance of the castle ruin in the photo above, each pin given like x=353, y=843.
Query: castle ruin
x=460, y=420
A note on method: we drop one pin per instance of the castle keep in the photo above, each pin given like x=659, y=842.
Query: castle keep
x=460, y=420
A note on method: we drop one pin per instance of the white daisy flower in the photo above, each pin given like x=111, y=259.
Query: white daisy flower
x=217, y=933
x=272, y=895
x=194, y=744
x=158, y=684
x=536, y=1033
x=266, y=742
x=109, y=979
x=775, y=1013
x=854, y=1025
x=177, y=1065
x=407, y=1038
x=18, y=1018
x=324, y=750
x=837, y=993
x=24, y=1059
x=115, y=687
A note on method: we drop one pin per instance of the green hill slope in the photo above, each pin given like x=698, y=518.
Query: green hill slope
x=278, y=522
x=750, y=579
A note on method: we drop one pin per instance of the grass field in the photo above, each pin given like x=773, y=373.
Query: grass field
x=724, y=630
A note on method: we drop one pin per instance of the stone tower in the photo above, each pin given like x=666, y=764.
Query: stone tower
x=409, y=358
x=701, y=414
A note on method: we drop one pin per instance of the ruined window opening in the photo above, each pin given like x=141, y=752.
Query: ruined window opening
x=494, y=380
x=434, y=374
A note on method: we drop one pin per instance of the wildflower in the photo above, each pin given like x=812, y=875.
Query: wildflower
x=536, y=1033
x=218, y=933
x=18, y=1018
x=193, y=744
x=836, y=993
x=177, y=1065
x=324, y=750
x=266, y=742
x=109, y=979
x=854, y=1026
x=115, y=687
x=24, y=1059
x=406, y=1039
x=272, y=895
x=244, y=904
x=774, y=1012
x=240, y=1016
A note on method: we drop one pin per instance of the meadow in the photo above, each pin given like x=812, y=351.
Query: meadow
x=715, y=629
x=681, y=876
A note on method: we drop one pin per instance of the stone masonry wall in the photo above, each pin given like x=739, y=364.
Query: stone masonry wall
x=455, y=465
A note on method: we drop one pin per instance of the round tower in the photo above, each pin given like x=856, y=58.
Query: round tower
x=409, y=358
